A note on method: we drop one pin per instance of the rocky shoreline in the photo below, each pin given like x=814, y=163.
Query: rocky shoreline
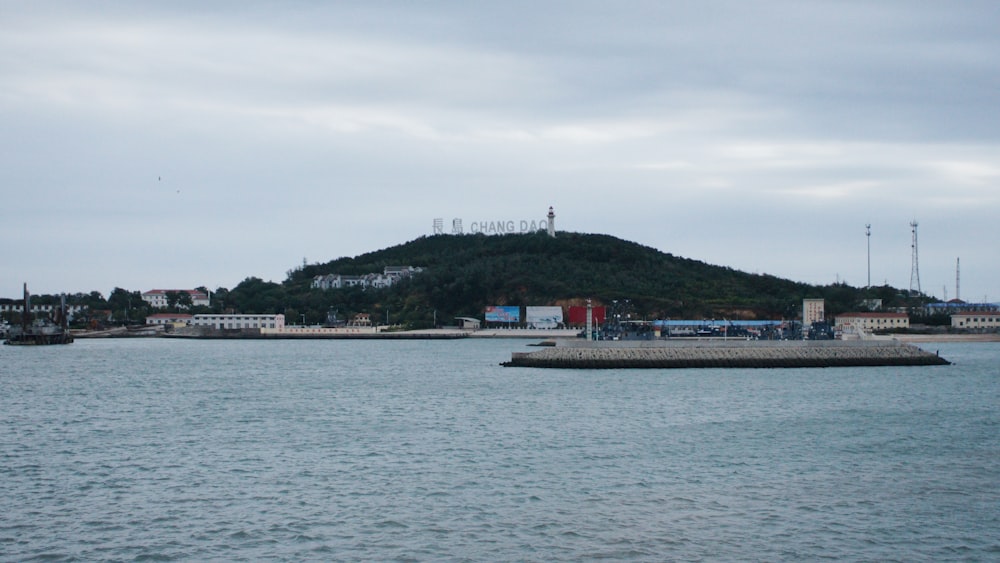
x=726, y=354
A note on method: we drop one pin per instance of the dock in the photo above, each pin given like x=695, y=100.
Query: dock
x=724, y=354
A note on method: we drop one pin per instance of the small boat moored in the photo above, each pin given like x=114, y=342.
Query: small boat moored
x=39, y=331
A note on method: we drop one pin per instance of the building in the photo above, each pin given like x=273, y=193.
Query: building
x=957, y=305
x=397, y=272
x=389, y=276
x=39, y=309
x=158, y=297
x=220, y=322
x=868, y=323
x=361, y=319
x=338, y=281
x=169, y=319
x=813, y=311
x=976, y=320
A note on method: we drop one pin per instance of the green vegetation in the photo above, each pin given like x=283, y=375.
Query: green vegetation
x=464, y=274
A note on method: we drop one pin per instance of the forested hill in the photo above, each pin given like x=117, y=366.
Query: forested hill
x=463, y=274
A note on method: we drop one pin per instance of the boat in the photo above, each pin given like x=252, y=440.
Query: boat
x=39, y=331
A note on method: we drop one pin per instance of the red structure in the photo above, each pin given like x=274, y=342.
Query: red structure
x=578, y=316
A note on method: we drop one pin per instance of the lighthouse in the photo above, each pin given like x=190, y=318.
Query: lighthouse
x=552, y=222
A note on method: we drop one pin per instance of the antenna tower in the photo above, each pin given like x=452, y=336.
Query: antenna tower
x=915, y=270
x=957, y=279
x=868, y=235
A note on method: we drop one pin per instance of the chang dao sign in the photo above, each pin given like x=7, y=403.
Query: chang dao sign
x=502, y=227
x=492, y=227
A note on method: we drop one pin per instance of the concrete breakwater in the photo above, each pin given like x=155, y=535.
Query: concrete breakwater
x=733, y=354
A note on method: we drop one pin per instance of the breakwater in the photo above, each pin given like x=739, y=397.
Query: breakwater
x=731, y=353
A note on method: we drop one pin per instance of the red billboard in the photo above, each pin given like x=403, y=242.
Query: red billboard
x=578, y=315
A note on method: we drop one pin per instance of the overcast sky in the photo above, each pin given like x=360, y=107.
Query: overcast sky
x=173, y=144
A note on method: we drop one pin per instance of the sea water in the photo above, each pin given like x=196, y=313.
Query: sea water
x=157, y=449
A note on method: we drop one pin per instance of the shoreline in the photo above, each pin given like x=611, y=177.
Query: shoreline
x=455, y=333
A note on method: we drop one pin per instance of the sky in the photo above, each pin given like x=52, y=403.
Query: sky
x=181, y=144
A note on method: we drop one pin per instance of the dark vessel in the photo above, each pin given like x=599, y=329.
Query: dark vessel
x=39, y=331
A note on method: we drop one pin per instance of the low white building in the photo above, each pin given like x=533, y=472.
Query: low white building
x=871, y=322
x=976, y=320
x=43, y=309
x=172, y=319
x=158, y=297
x=220, y=322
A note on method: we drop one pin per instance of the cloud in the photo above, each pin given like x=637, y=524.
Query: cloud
x=761, y=136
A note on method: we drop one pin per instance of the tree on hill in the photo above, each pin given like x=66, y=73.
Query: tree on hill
x=463, y=274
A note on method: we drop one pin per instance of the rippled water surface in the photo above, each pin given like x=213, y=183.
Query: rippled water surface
x=427, y=450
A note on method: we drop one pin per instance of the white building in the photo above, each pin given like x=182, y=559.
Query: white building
x=172, y=319
x=813, y=311
x=45, y=310
x=158, y=297
x=868, y=323
x=976, y=320
x=398, y=272
x=389, y=276
x=220, y=322
x=338, y=281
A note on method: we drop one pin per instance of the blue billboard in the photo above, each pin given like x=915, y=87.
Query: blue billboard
x=498, y=314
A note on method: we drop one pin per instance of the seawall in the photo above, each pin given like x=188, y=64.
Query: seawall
x=732, y=354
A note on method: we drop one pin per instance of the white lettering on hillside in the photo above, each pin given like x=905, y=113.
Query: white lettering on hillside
x=502, y=227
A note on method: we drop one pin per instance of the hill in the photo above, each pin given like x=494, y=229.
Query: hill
x=464, y=274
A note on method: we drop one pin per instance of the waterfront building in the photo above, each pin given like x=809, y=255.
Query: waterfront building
x=39, y=309
x=976, y=320
x=361, y=319
x=869, y=322
x=158, y=297
x=220, y=322
x=176, y=320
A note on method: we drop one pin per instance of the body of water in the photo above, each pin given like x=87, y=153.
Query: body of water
x=429, y=450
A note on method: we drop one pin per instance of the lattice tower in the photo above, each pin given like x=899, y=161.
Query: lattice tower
x=958, y=286
x=915, y=269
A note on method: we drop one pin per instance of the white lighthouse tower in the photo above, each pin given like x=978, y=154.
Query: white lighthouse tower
x=552, y=222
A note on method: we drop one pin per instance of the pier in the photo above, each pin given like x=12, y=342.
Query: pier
x=724, y=354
